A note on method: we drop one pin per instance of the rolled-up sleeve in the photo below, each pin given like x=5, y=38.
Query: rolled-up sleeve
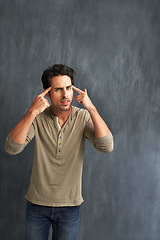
x=104, y=144
x=13, y=148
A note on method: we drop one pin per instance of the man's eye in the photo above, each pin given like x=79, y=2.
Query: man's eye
x=69, y=87
x=57, y=89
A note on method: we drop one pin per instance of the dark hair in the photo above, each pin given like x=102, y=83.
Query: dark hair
x=56, y=70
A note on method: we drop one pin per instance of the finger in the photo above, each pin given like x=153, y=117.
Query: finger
x=46, y=102
x=78, y=96
x=77, y=90
x=45, y=92
x=79, y=100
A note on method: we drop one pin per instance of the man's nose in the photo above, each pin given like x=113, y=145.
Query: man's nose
x=64, y=92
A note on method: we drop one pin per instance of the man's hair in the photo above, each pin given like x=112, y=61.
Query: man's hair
x=56, y=70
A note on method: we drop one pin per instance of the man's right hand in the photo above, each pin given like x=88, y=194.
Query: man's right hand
x=40, y=103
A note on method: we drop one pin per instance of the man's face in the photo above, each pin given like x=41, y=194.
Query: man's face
x=61, y=94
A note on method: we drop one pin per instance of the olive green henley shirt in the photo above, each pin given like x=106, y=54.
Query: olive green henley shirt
x=58, y=156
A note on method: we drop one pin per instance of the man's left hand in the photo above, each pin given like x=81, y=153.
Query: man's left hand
x=83, y=98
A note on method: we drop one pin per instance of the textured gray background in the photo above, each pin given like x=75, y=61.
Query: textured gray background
x=114, y=46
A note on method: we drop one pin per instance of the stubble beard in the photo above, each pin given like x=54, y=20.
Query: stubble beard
x=62, y=108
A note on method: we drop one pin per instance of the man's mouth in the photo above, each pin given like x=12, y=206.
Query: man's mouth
x=65, y=101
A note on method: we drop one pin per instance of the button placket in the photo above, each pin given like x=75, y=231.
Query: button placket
x=59, y=144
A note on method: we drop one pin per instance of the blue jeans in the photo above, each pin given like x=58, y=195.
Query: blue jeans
x=64, y=222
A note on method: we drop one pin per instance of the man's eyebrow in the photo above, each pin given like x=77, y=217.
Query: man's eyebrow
x=62, y=87
x=58, y=88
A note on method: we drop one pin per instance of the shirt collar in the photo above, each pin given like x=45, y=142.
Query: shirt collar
x=73, y=111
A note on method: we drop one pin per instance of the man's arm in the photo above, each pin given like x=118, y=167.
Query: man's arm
x=100, y=127
x=39, y=104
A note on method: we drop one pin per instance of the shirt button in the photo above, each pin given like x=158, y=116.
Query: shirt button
x=59, y=143
x=59, y=150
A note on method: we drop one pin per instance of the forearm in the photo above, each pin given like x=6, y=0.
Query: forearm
x=100, y=127
x=19, y=132
x=39, y=104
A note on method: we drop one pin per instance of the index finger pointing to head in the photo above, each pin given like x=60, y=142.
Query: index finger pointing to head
x=77, y=89
x=45, y=92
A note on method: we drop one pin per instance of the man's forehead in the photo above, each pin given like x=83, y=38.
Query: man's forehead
x=61, y=81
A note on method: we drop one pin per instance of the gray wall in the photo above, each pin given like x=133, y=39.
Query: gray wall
x=114, y=46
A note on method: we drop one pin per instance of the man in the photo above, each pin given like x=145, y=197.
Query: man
x=59, y=132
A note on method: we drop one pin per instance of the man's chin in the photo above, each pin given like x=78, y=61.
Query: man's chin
x=61, y=108
x=65, y=108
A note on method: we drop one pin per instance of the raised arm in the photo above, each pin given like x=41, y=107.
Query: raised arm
x=39, y=104
x=100, y=127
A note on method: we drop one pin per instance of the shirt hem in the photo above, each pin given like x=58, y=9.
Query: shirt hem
x=59, y=204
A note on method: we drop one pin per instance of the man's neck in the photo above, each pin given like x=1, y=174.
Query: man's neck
x=62, y=115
